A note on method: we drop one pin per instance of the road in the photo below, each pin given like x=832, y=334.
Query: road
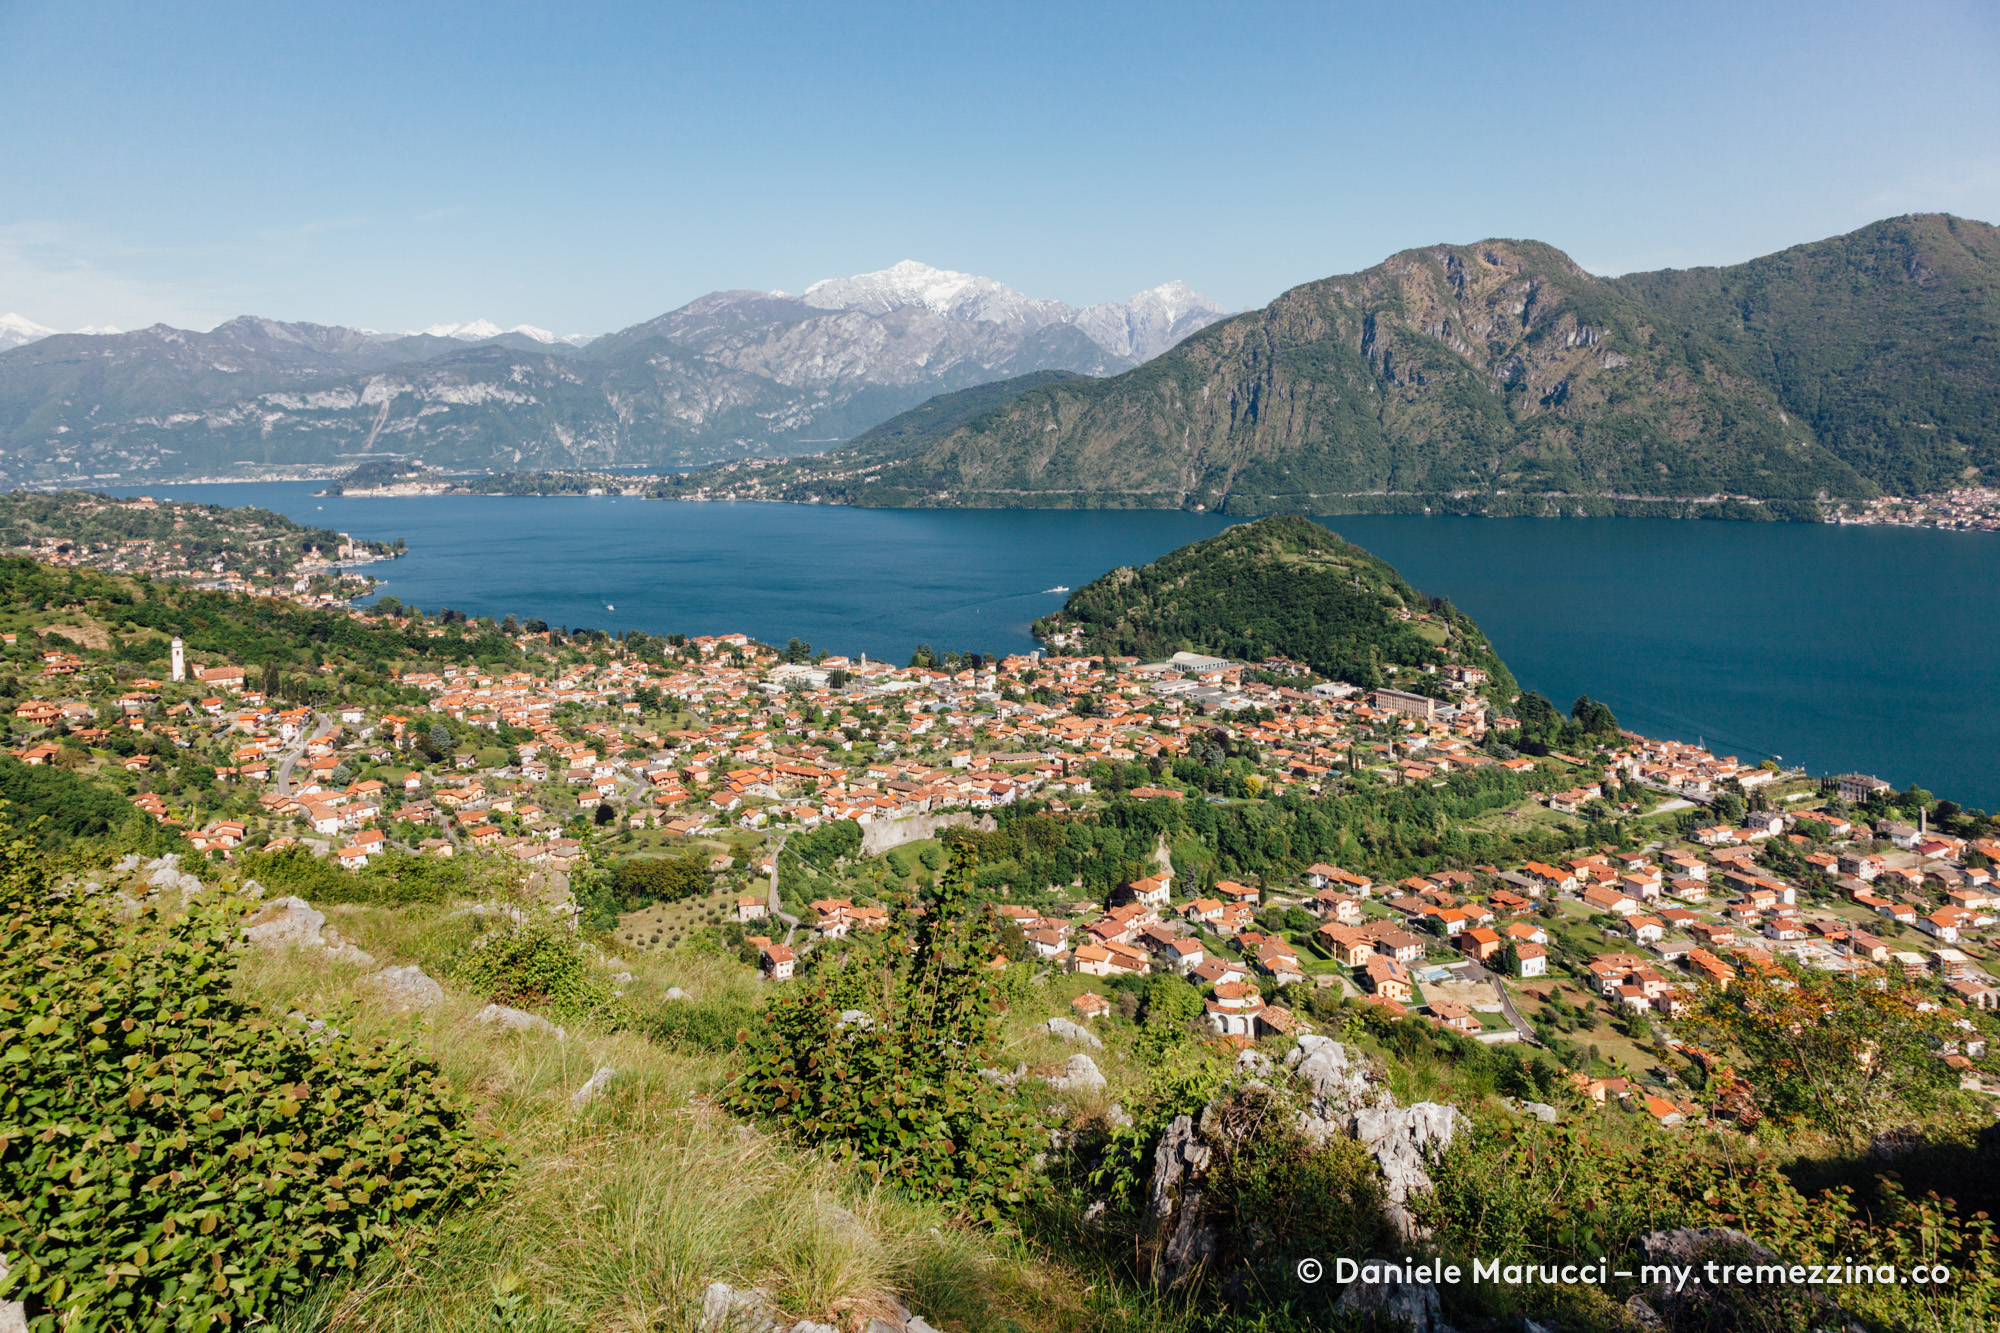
x=777, y=904
x=322, y=724
x=1513, y=1014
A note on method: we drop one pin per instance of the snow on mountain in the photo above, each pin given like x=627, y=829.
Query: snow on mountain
x=1142, y=328
x=1150, y=322
x=14, y=330
x=476, y=331
x=941, y=291
x=479, y=330
x=98, y=329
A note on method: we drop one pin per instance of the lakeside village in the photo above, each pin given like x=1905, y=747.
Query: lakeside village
x=728, y=749
x=1970, y=509
x=204, y=546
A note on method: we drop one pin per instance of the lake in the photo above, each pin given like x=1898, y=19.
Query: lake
x=1834, y=647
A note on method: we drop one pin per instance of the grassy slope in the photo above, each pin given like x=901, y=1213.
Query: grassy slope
x=626, y=1209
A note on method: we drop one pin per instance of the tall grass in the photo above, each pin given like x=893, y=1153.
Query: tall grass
x=625, y=1209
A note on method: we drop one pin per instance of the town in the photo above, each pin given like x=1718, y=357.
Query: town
x=1639, y=870
x=201, y=545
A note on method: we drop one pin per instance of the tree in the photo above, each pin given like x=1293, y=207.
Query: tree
x=1536, y=713
x=604, y=814
x=1171, y=1007
x=1595, y=718
x=1849, y=1055
x=901, y=1095
x=441, y=741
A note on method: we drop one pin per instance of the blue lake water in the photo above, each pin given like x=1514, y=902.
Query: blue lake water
x=1834, y=647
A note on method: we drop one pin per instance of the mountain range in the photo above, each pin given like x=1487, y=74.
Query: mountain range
x=1500, y=377
x=731, y=374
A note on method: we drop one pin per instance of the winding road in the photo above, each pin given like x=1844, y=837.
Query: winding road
x=322, y=724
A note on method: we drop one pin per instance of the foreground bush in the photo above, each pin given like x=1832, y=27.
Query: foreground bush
x=1558, y=1196
x=879, y=1059
x=172, y=1157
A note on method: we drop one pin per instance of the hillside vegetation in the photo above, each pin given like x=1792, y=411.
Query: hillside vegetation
x=1283, y=587
x=1886, y=341
x=1500, y=377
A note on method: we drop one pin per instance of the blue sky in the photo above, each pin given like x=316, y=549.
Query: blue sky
x=584, y=167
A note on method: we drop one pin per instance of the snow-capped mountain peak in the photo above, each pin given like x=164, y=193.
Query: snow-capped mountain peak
x=941, y=291
x=14, y=330
x=473, y=331
x=480, y=330
x=1142, y=327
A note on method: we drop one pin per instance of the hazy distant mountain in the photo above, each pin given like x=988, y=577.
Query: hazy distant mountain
x=485, y=330
x=14, y=331
x=1501, y=377
x=727, y=375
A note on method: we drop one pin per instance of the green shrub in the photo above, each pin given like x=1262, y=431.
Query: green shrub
x=901, y=1094
x=707, y=1025
x=537, y=962
x=1553, y=1195
x=173, y=1158
x=395, y=879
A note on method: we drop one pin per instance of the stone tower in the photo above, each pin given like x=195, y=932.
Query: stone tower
x=180, y=661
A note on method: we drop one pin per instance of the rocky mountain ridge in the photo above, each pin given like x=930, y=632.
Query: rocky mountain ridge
x=1501, y=377
x=730, y=374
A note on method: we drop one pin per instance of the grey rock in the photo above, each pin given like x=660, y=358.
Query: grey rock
x=1541, y=1111
x=166, y=875
x=1080, y=1072
x=1399, y=1138
x=808, y=1326
x=593, y=1087
x=845, y=1224
x=286, y=922
x=727, y=1310
x=1698, y=1304
x=516, y=1020
x=13, y=1314
x=406, y=987
x=1255, y=1063
x=1412, y=1305
x=341, y=951
x=855, y=1018
x=127, y=864
x=675, y=993
x=1068, y=1031
x=319, y=1028
x=1174, y=1203
x=900, y=1320
x=1338, y=1085
x=1118, y=1117
x=251, y=889
x=1680, y=1247
x=1643, y=1314
x=621, y=978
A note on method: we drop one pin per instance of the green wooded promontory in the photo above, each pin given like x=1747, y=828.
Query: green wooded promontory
x=1281, y=586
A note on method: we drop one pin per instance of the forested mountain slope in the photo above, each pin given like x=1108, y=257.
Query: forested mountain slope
x=1502, y=378
x=1886, y=341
